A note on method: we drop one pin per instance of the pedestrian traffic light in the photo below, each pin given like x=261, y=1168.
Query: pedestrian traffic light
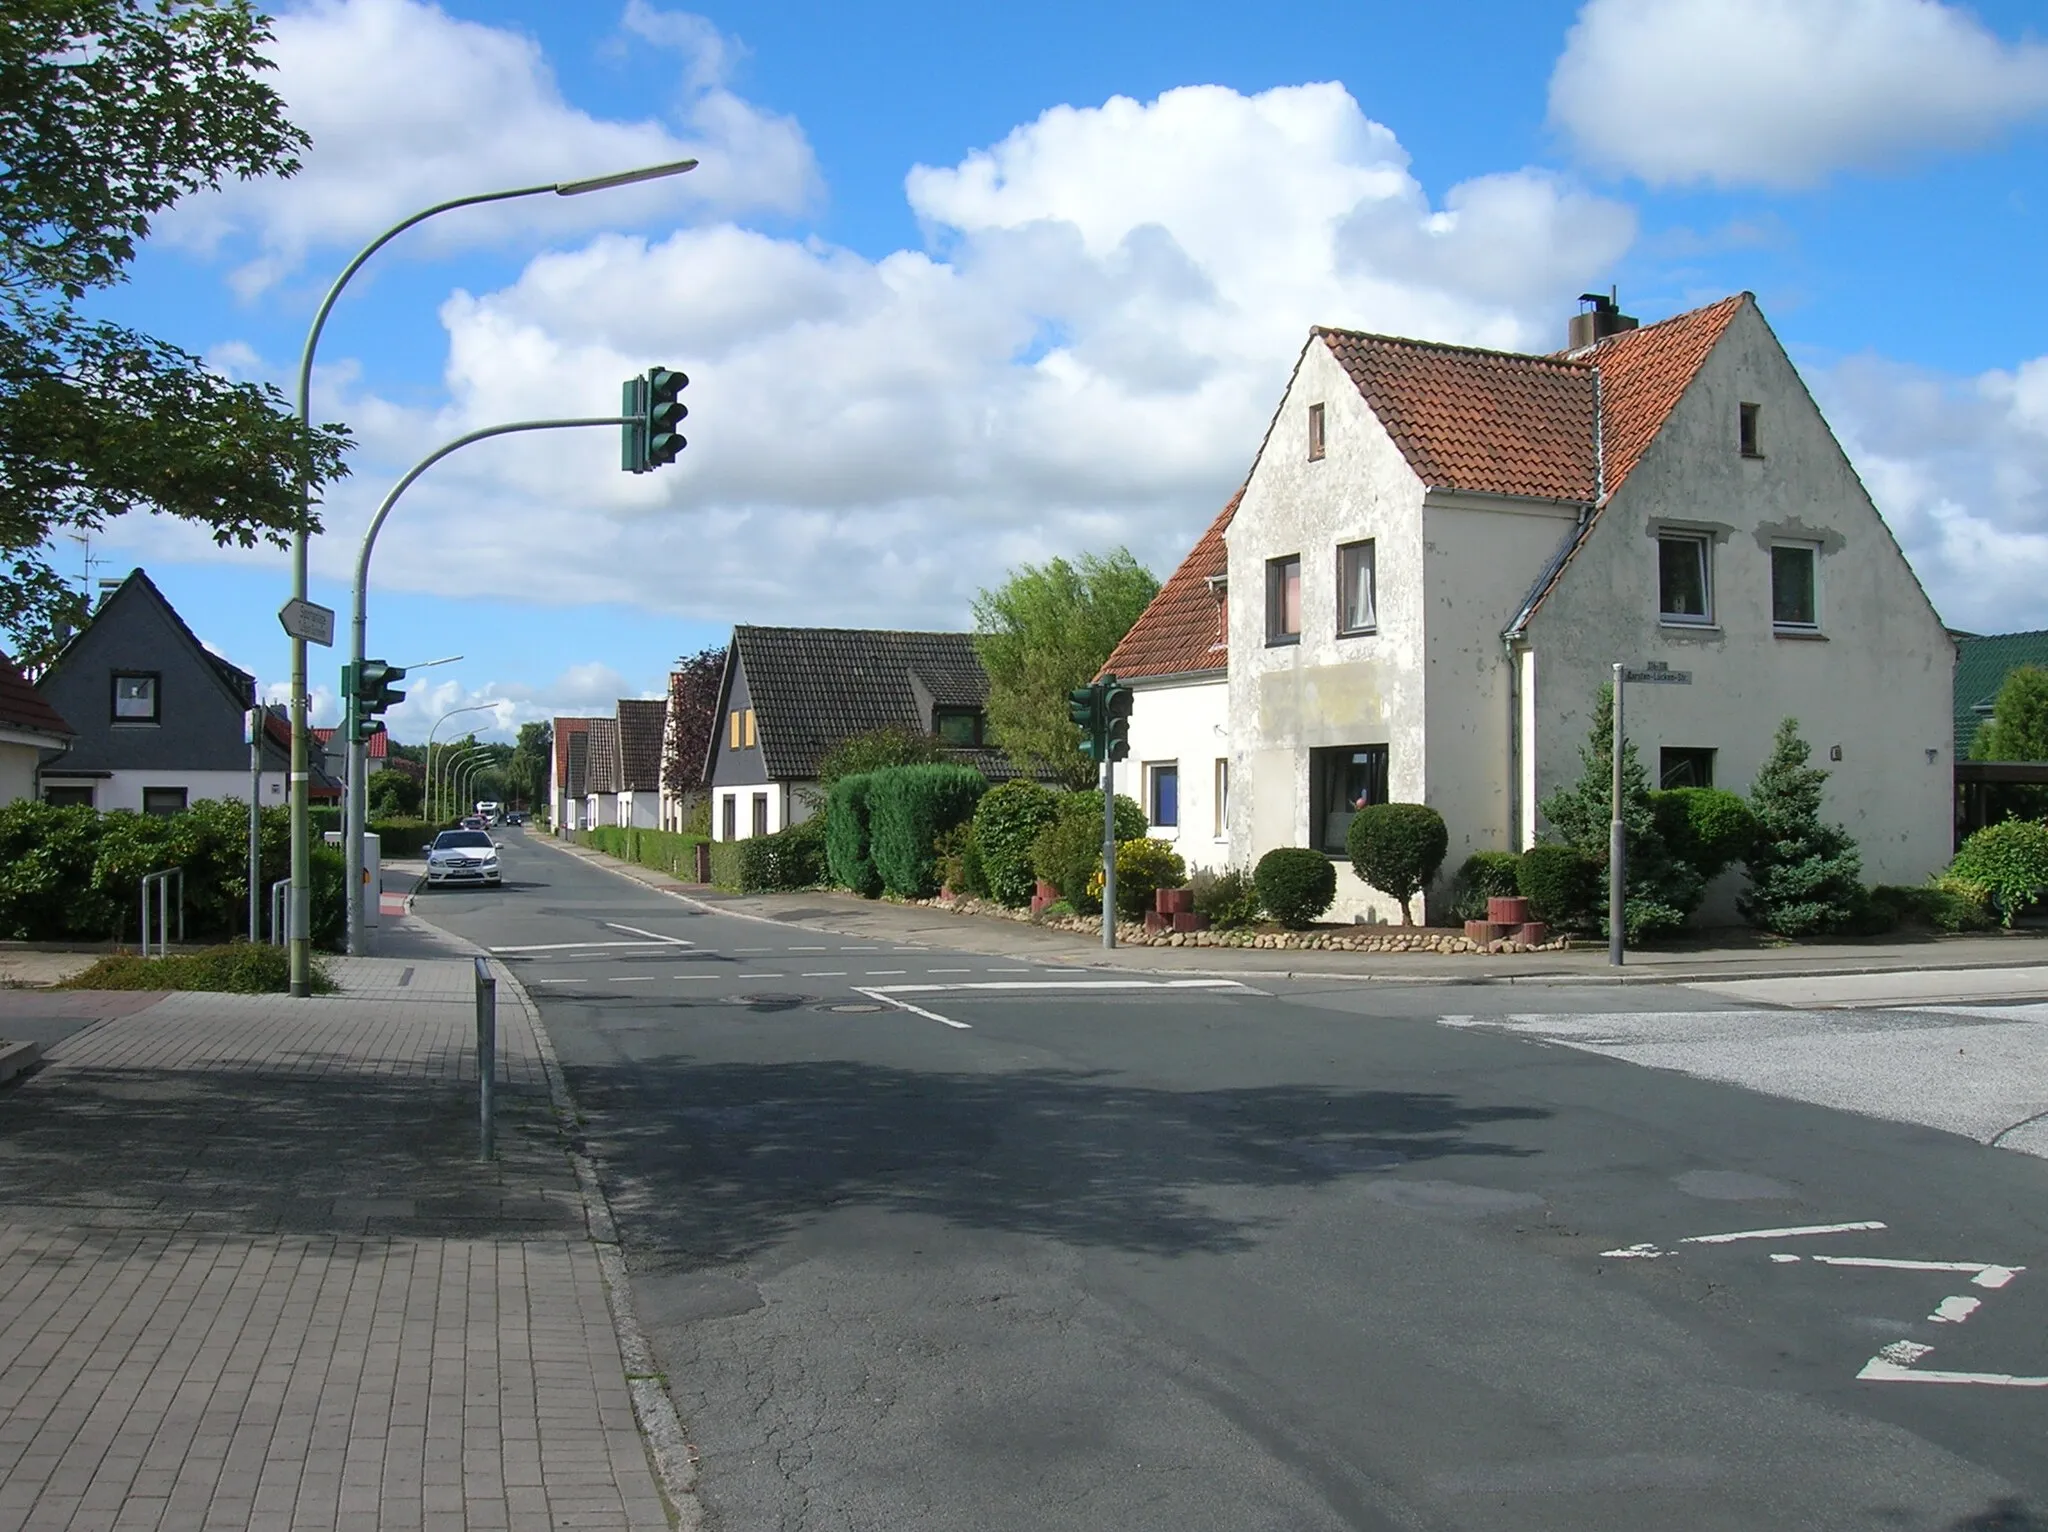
x=371, y=685
x=1084, y=707
x=665, y=412
x=1116, y=716
x=633, y=426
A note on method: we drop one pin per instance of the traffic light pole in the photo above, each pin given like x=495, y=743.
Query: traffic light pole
x=358, y=749
x=1108, y=853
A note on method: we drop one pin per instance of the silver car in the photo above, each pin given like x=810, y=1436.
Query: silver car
x=462, y=856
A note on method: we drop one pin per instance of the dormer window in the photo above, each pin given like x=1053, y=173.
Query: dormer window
x=1315, y=433
x=960, y=727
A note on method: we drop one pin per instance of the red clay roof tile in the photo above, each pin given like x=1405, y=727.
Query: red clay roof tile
x=1182, y=630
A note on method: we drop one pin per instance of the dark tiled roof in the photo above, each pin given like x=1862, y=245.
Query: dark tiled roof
x=641, y=722
x=1981, y=667
x=604, y=756
x=566, y=729
x=814, y=688
x=575, y=757
x=1182, y=630
x=1495, y=422
x=22, y=707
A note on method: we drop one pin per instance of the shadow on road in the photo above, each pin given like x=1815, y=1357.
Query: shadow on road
x=711, y=1163
x=2006, y=1515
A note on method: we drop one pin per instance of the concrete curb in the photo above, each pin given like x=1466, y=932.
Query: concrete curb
x=16, y=1057
x=661, y=1429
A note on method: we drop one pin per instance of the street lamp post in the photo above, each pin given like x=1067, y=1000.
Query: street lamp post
x=427, y=793
x=451, y=772
x=300, y=903
x=352, y=816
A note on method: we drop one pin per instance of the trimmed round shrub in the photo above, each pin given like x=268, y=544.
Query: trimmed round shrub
x=1562, y=885
x=1705, y=827
x=1397, y=848
x=1008, y=819
x=2010, y=859
x=909, y=808
x=1295, y=885
x=1485, y=875
x=1143, y=867
x=848, y=855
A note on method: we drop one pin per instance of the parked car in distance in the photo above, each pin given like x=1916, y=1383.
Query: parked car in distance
x=475, y=822
x=462, y=856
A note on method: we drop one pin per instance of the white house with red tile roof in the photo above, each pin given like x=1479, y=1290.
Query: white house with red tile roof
x=30, y=729
x=1440, y=552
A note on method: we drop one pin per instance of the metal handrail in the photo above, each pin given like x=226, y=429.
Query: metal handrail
x=161, y=879
x=278, y=893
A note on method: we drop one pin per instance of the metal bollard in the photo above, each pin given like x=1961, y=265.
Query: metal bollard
x=278, y=892
x=486, y=1058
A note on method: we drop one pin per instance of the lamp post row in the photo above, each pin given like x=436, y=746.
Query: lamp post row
x=299, y=920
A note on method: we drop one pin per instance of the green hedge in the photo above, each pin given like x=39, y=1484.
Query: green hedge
x=73, y=874
x=909, y=808
x=849, y=854
x=672, y=852
x=1484, y=875
x=2010, y=859
x=1562, y=885
x=762, y=864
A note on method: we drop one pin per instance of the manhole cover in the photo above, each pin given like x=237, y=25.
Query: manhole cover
x=772, y=1001
x=846, y=1008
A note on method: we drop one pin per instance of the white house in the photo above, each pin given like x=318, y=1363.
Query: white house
x=1175, y=659
x=1440, y=551
x=640, y=728
x=569, y=767
x=29, y=729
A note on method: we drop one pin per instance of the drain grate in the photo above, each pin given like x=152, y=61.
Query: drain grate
x=844, y=1009
x=770, y=1000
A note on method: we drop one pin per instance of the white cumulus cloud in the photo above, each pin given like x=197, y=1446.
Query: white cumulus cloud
x=1959, y=466
x=1781, y=93
x=408, y=106
x=1086, y=353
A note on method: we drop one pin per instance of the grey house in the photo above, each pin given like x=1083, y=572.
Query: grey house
x=159, y=719
x=790, y=695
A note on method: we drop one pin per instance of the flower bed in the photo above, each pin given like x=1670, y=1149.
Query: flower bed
x=1355, y=938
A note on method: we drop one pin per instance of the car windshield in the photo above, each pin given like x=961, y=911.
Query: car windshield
x=449, y=840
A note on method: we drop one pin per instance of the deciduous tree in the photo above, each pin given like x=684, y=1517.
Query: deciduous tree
x=110, y=111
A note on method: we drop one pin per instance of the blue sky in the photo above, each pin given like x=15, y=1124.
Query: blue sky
x=1066, y=330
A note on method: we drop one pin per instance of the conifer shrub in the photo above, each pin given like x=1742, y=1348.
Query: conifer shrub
x=909, y=808
x=848, y=856
x=1295, y=885
x=1805, y=876
x=1008, y=819
x=1397, y=848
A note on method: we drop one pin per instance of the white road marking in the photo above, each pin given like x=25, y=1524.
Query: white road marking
x=1638, y=1253
x=860, y=949
x=757, y=976
x=1007, y=970
x=1817, y=1228
x=949, y=970
x=1953, y=1311
x=1020, y=985
x=1878, y=1370
x=1984, y=1275
x=578, y=946
x=1783, y=1258
x=805, y=949
x=635, y=978
x=653, y=936
x=916, y=1010
x=838, y=973
x=886, y=973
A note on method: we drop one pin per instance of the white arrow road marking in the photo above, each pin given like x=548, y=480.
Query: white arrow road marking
x=1983, y=1275
x=1796, y=1233
x=916, y=1010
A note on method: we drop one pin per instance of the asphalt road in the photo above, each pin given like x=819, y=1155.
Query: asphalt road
x=918, y=1253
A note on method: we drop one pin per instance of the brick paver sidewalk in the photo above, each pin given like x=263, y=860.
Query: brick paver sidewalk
x=253, y=1275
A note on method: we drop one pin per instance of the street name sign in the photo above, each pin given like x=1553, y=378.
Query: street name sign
x=1657, y=673
x=308, y=620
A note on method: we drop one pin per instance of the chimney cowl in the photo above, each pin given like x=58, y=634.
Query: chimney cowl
x=1592, y=325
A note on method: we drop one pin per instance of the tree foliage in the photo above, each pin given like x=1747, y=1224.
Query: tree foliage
x=2017, y=729
x=1805, y=876
x=877, y=748
x=1044, y=631
x=693, y=685
x=1662, y=889
x=110, y=111
x=526, y=774
x=1397, y=848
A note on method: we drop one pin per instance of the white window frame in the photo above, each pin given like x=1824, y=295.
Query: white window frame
x=1812, y=552
x=1705, y=543
x=1366, y=548
x=1152, y=771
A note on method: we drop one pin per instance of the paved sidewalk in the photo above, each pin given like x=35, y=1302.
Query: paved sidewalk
x=2025, y=952
x=253, y=1275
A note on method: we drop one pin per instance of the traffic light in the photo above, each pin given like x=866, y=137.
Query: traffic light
x=372, y=687
x=665, y=412
x=1116, y=715
x=1084, y=707
x=633, y=426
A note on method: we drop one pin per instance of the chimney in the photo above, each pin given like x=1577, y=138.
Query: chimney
x=1591, y=326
